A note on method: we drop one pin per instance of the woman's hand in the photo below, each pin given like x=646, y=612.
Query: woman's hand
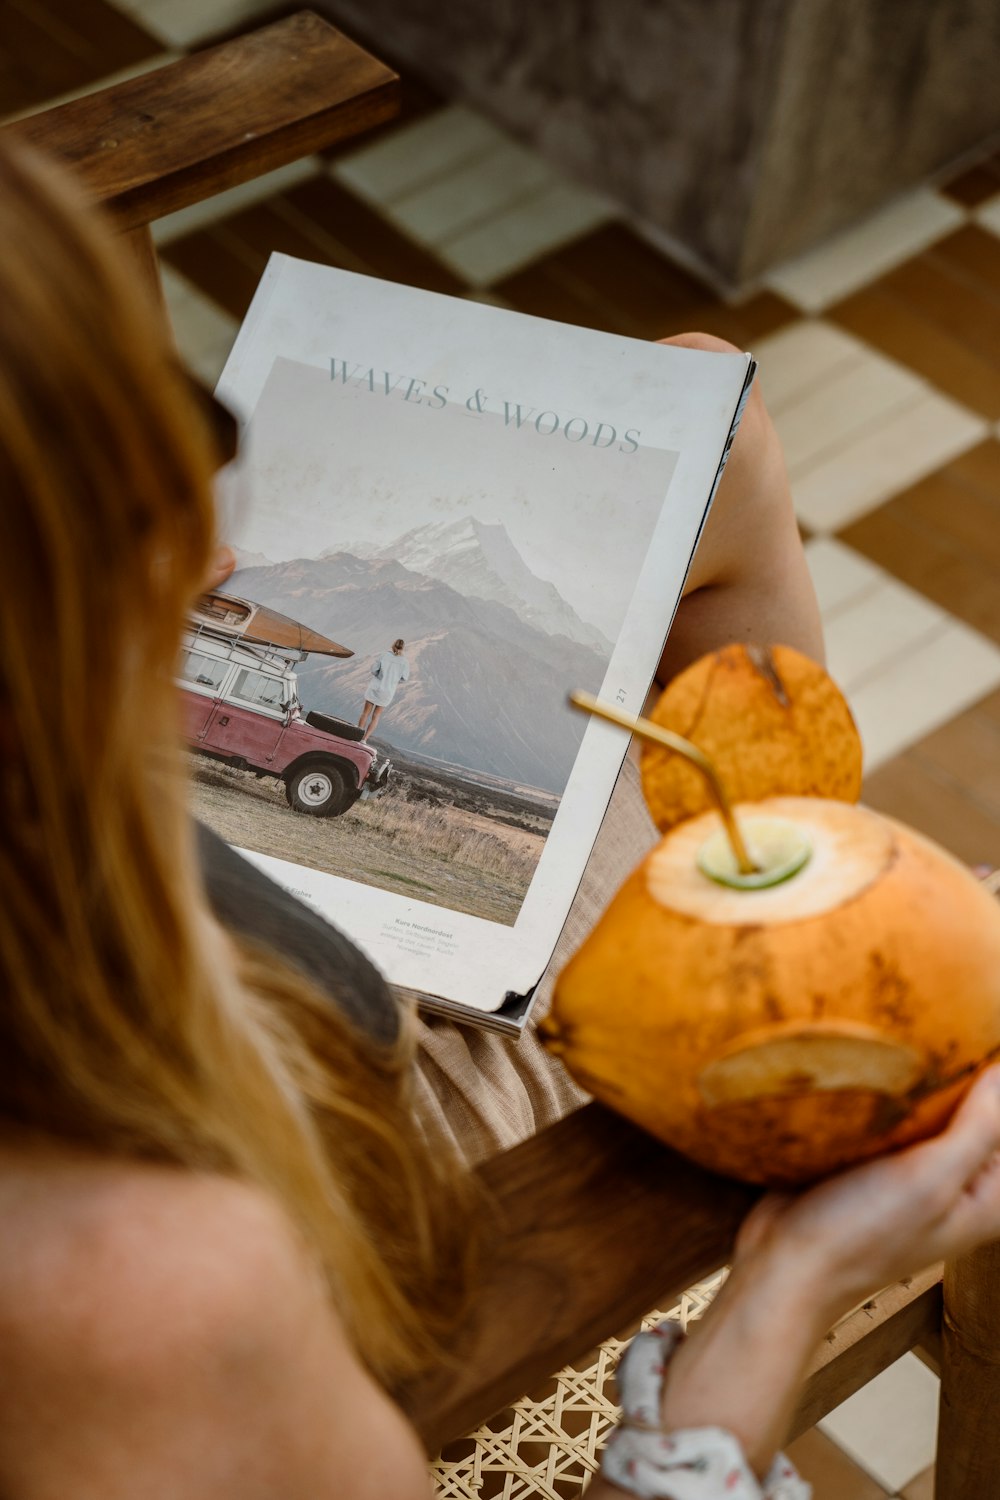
x=881, y=1221
x=803, y=1261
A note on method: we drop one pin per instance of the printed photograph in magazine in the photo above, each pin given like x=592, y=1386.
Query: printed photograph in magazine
x=420, y=584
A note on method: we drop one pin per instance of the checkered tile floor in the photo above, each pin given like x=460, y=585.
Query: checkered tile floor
x=880, y=358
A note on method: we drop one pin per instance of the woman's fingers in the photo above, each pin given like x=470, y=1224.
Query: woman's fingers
x=954, y=1180
x=222, y=566
x=975, y=1218
x=879, y=1220
x=973, y=1135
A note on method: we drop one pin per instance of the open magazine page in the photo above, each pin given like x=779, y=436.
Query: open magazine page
x=460, y=513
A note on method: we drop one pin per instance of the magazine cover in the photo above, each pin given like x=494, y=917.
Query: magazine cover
x=448, y=516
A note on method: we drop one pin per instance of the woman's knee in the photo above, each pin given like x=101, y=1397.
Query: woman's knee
x=705, y=341
x=757, y=438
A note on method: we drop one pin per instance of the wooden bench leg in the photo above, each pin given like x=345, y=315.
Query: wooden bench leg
x=968, y=1456
x=139, y=247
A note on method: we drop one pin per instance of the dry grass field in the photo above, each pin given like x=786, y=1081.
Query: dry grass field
x=451, y=856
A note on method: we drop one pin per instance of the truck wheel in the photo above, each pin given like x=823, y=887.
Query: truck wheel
x=319, y=789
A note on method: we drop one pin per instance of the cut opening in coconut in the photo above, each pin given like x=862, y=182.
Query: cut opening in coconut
x=802, y=1058
x=778, y=848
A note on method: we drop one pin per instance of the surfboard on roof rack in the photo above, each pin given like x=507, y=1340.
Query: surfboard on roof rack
x=255, y=622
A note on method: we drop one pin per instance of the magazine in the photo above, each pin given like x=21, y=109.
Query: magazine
x=449, y=516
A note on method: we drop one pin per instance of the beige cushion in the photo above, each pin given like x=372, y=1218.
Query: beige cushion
x=486, y=1092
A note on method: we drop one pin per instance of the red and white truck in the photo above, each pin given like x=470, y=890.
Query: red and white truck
x=240, y=699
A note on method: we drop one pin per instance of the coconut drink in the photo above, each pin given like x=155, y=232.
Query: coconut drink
x=817, y=985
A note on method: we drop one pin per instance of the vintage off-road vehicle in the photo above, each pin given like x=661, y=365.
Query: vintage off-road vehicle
x=241, y=705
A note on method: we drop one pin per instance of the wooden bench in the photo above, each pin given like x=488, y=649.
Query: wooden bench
x=595, y=1223
x=211, y=121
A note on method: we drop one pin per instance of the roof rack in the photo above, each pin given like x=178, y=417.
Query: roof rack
x=287, y=654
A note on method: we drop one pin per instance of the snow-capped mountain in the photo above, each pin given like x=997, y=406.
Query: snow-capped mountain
x=246, y=559
x=487, y=688
x=354, y=549
x=481, y=562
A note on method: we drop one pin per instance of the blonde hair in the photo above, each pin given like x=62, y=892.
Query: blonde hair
x=130, y=1021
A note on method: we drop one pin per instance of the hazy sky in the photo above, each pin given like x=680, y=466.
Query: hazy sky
x=332, y=465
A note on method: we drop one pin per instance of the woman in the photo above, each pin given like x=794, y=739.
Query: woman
x=223, y=1235
x=390, y=669
x=198, y=1152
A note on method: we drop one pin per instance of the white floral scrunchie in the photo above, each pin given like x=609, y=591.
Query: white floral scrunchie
x=702, y=1463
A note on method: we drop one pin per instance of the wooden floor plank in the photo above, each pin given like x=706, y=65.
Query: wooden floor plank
x=616, y=281
x=942, y=537
x=904, y=332
x=828, y=1469
x=216, y=262
x=975, y=185
x=916, y=790
x=950, y=301
x=343, y=219
x=54, y=47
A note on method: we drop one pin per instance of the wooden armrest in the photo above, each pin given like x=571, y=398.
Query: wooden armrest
x=870, y=1339
x=220, y=117
x=594, y=1224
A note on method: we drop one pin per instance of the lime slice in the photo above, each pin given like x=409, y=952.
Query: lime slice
x=778, y=847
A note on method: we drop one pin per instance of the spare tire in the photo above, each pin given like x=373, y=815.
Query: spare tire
x=334, y=726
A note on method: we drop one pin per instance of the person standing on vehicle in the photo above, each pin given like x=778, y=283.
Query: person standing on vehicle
x=389, y=671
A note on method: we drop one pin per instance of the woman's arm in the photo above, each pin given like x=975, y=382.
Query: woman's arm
x=743, y=1365
x=749, y=581
x=802, y=1262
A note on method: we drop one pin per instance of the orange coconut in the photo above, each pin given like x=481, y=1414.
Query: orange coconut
x=770, y=719
x=778, y=1034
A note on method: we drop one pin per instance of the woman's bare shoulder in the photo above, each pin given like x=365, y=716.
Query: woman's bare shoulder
x=119, y=1260
x=171, y=1324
